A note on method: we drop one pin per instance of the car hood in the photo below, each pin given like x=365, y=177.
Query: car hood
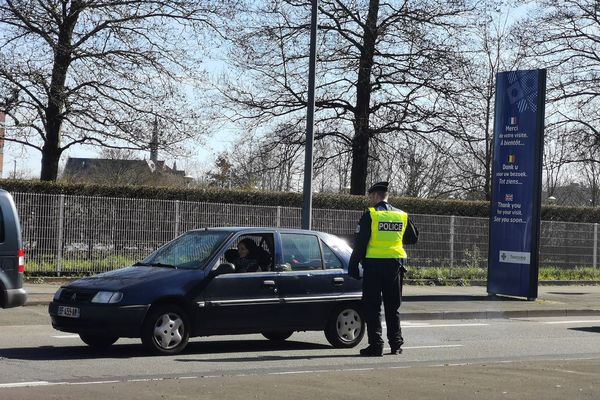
x=129, y=276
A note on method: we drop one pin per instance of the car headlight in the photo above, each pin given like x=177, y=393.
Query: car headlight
x=57, y=294
x=107, y=297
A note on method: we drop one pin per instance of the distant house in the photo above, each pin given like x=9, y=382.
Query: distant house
x=123, y=172
x=110, y=171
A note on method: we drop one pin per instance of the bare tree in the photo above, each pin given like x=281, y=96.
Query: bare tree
x=557, y=153
x=260, y=163
x=98, y=71
x=565, y=37
x=486, y=48
x=415, y=167
x=591, y=174
x=381, y=67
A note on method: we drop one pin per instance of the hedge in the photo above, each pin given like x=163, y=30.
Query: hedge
x=266, y=198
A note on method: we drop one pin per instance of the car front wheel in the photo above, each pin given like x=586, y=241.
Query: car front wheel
x=345, y=327
x=166, y=330
x=98, y=340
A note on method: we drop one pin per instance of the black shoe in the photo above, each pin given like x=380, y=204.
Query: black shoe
x=372, y=351
x=396, y=348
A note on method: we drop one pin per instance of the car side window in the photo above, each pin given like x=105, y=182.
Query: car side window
x=259, y=256
x=301, y=252
x=331, y=260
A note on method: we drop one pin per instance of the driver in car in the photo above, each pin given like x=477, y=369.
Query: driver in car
x=248, y=254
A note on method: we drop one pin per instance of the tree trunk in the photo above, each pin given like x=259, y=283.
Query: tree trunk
x=50, y=158
x=51, y=150
x=362, y=113
x=489, y=140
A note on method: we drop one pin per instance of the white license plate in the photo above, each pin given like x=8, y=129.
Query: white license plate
x=69, y=312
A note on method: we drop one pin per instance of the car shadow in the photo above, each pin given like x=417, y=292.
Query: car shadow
x=569, y=293
x=124, y=351
x=240, y=346
x=271, y=358
x=83, y=352
x=592, y=329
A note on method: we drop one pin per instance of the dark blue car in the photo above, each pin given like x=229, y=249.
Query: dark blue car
x=192, y=287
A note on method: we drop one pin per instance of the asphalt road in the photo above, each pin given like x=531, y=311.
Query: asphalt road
x=550, y=358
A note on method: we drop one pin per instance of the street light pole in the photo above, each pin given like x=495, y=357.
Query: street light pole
x=310, y=120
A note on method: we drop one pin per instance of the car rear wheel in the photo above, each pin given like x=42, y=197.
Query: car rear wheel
x=345, y=327
x=98, y=340
x=277, y=336
x=166, y=330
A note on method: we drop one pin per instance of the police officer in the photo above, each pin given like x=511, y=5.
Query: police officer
x=380, y=235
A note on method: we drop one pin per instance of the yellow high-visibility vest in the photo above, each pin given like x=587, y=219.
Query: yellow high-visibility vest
x=387, y=230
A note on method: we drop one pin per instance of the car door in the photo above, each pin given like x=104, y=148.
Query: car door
x=240, y=302
x=309, y=291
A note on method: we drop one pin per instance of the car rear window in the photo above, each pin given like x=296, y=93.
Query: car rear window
x=331, y=260
x=301, y=252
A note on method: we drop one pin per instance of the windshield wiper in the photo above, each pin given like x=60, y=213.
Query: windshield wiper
x=137, y=264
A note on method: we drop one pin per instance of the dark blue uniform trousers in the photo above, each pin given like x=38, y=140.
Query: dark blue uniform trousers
x=383, y=282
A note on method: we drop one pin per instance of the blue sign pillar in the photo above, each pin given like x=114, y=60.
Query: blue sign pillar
x=516, y=183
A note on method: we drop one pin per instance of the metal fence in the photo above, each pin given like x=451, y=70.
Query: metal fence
x=76, y=234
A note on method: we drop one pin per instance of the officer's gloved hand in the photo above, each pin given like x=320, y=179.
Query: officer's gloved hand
x=354, y=272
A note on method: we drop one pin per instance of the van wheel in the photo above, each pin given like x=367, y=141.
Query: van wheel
x=345, y=327
x=277, y=336
x=166, y=330
x=97, y=340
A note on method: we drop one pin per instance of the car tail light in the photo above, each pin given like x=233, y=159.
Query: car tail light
x=21, y=255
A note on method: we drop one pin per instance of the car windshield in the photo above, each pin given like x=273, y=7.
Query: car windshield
x=189, y=251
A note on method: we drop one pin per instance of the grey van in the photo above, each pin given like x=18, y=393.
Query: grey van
x=12, y=256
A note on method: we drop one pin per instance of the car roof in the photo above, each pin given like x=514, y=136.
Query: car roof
x=250, y=229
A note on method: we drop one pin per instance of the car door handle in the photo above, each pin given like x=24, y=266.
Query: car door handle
x=338, y=280
x=269, y=283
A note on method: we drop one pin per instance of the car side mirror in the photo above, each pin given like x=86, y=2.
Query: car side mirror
x=225, y=268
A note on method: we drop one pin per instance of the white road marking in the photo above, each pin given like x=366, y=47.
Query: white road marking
x=359, y=369
x=46, y=383
x=440, y=346
x=27, y=384
x=444, y=325
x=94, y=382
x=318, y=371
x=589, y=321
x=427, y=325
x=66, y=336
x=291, y=372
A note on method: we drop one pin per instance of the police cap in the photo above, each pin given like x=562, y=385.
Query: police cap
x=379, y=187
